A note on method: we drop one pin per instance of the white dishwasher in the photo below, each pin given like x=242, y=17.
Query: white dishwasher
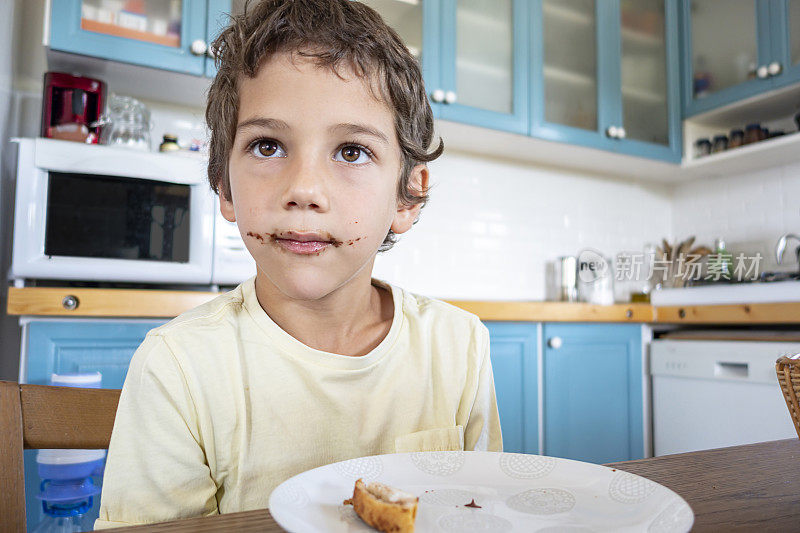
x=714, y=393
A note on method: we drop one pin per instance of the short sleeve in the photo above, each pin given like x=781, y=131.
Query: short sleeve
x=156, y=468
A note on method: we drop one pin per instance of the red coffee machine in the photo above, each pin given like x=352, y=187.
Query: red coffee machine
x=70, y=106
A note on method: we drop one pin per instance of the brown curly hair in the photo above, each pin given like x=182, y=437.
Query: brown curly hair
x=335, y=34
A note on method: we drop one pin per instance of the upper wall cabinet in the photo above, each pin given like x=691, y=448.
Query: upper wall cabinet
x=165, y=34
x=480, y=75
x=735, y=49
x=605, y=74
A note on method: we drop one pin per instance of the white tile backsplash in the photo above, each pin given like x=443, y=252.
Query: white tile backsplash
x=491, y=227
x=750, y=211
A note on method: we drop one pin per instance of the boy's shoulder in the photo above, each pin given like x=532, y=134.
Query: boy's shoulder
x=438, y=312
x=220, y=311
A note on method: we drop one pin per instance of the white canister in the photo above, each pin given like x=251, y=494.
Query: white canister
x=595, y=278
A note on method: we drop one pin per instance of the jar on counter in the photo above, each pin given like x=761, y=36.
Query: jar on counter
x=169, y=144
x=702, y=147
x=736, y=139
x=753, y=133
x=720, y=144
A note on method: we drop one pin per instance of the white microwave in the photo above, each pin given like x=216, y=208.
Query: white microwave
x=99, y=213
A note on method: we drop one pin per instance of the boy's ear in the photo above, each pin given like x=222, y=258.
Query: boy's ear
x=406, y=215
x=226, y=208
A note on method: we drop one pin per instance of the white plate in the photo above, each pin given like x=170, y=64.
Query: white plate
x=516, y=492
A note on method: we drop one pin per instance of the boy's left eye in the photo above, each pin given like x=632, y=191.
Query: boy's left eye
x=352, y=154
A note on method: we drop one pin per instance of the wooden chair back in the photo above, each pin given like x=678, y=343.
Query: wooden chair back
x=40, y=416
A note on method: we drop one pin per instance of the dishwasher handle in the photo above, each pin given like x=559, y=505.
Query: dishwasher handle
x=723, y=369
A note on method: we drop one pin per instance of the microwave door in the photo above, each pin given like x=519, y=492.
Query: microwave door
x=95, y=227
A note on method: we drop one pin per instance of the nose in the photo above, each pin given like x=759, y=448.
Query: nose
x=306, y=186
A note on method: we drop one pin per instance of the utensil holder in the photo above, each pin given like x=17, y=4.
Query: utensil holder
x=788, y=369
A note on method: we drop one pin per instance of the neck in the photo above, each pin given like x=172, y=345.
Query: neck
x=352, y=320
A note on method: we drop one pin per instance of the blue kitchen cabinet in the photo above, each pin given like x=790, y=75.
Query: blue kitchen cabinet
x=68, y=346
x=161, y=38
x=480, y=74
x=785, y=32
x=605, y=74
x=514, y=348
x=737, y=49
x=593, y=404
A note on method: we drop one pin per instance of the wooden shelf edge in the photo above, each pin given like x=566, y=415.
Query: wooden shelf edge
x=757, y=313
x=144, y=303
x=104, y=302
x=557, y=311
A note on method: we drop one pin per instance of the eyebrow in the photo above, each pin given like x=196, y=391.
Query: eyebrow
x=263, y=122
x=360, y=129
x=348, y=128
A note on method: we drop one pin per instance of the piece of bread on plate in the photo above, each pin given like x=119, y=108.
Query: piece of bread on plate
x=383, y=507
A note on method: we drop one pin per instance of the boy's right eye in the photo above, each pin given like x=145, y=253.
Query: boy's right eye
x=265, y=148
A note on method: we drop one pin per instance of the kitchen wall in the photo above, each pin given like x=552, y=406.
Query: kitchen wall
x=749, y=210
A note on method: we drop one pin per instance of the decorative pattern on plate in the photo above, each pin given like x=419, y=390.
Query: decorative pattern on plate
x=474, y=521
x=447, y=497
x=566, y=529
x=676, y=517
x=542, y=501
x=522, y=466
x=290, y=494
x=438, y=463
x=628, y=488
x=363, y=467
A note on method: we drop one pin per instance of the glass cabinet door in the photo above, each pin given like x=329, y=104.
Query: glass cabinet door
x=161, y=34
x=643, y=71
x=793, y=21
x=571, y=75
x=153, y=21
x=784, y=68
x=483, y=64
x=729, y=51
x=570, y=63
x=404, y=16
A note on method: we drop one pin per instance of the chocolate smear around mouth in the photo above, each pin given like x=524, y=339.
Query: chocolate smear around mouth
x=263, y=238
x=473, y=505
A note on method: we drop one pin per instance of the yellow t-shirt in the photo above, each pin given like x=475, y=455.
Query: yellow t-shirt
x=221, y=405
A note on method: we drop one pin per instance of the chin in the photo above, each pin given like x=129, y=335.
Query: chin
x=306, y=285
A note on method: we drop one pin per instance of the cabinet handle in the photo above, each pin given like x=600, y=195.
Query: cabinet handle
x=774, y=68
x=211, y=53
x=199, y=47
x=612, y=132
x=762, y=72
x=621, y=133
x=437, y=96
x=450, y=97
x=70, y=302
x=555, y=342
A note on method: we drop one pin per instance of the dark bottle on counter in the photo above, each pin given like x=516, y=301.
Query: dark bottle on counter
x=169, y=143
x=702, y=147
x=720, y=144
x=736, y=139
x=753, y=133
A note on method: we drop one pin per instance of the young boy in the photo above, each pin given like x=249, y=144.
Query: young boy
x=320, y=131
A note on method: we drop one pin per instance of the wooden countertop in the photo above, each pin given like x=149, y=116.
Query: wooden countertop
x=752, y=487
x=49, y=301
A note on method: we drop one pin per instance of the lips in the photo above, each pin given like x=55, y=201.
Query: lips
x=304, y=243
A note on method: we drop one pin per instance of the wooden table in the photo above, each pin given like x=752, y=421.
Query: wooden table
x=743, y=488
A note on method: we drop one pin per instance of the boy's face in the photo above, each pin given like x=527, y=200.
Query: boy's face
x=314, y=171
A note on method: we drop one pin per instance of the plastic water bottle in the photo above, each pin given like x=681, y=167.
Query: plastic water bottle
x=67, y=491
